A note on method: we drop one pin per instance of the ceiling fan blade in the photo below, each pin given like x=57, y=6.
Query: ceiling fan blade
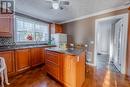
x=64, y=2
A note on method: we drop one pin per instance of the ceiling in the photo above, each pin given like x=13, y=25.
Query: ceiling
x=77, y=8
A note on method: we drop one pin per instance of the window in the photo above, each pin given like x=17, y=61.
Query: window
x=28, y=30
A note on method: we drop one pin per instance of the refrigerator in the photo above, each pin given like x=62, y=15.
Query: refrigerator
x=60, y=40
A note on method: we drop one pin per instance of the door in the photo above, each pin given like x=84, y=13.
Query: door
x=103, y=37
x=118, y=44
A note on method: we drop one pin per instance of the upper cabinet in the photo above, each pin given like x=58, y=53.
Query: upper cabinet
x=56, y=28
x=6, y=25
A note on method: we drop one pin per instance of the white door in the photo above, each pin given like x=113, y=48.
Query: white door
x=118, y=44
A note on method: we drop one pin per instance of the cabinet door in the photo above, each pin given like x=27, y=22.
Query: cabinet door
x=37, y=56
x=33, y=56
x=69, y=73
x=80, y=73
x=9, y=59
x=6, y=26
x=58, y=28
x=22, y=59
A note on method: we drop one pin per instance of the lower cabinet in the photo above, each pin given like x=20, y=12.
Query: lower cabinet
x=74, y=70
x=68, y=69
x=9, y=59
x=22, y=57
x=37, y=56
x=53, y=64
x=27, y=58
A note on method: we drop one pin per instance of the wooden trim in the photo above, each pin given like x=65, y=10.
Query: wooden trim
x=49, y=31
x=128, y=47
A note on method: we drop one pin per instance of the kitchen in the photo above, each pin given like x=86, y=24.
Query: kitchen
x=47, y=51
x=20, y=58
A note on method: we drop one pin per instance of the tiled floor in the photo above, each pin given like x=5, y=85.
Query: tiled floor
x=103, y=63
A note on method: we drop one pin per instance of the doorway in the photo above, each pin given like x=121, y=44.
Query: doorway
x=111, y=42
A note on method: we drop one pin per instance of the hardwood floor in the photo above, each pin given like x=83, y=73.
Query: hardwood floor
x=95, y=77
x=105, y=75
x=105, y=78
x=33, y=78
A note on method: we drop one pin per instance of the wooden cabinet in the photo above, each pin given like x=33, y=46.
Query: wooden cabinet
x=6, y=25
x=37, y=56
x=56, y=28
x=74, y=70
x=9, y=59
x=22, y=57
x=80, y=70
x=68, y=69
x=52, y=64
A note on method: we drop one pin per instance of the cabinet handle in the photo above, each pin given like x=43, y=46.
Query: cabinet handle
x=78, y=59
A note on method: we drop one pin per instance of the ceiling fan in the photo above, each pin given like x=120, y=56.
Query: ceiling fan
x=58, y=4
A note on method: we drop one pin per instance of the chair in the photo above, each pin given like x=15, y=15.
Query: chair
x=3, y=72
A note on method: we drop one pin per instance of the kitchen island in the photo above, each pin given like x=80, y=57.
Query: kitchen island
x=66, y=66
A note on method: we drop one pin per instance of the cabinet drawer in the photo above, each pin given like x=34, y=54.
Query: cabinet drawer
x=52, y=70
x=52, y=57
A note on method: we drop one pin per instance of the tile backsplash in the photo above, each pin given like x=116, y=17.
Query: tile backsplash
x=6, y=41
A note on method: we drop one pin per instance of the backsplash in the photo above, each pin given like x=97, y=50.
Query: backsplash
x=6, y=41
x=10, y=42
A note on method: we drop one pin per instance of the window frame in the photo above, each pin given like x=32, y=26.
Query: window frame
x=34, y=21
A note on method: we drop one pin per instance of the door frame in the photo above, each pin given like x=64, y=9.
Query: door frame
x=125, y=16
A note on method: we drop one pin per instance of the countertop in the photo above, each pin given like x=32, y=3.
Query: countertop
x=9, y=48
x=70, y=51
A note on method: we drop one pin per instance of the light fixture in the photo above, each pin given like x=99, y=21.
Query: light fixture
x=58, y=4
x=55, y=5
